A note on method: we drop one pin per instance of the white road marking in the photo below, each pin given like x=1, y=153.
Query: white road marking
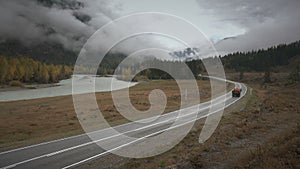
x=124, y=145
x=88, y=143
x=72, y=137
x=95, y=141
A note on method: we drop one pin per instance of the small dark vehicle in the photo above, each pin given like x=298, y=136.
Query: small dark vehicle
x=236, y=92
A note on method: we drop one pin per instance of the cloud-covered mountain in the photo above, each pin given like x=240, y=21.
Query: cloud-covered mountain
x=65, y=22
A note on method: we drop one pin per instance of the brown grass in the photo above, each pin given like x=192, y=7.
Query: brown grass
x=260, y=131
x=33, y=121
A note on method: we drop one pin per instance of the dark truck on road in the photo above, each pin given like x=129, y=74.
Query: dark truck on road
x=236, y=92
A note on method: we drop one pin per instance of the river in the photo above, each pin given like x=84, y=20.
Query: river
x=64, y=88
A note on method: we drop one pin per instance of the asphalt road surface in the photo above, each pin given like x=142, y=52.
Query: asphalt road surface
x=73, y=151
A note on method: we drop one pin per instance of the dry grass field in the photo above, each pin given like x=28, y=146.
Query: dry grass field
x=260, y=131
x=33, y=121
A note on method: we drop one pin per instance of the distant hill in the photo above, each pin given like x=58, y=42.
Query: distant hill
x=260, y=60
x=55, y=54
x=49, y=53
x=52, y=54
x=263, y=59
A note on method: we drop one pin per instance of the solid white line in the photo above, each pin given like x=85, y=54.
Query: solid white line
x=121, y=125
x=95, y=141
x=116, y=148
x=74, y=147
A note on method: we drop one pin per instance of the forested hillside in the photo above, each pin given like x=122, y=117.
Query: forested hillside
x=262, y=60
x=50, y=63
x=55, y=54
x=49, y=53
x=257, y=61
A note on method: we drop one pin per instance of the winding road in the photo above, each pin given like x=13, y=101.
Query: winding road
x=73, y=151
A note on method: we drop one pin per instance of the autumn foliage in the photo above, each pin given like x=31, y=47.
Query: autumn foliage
x=27, y=70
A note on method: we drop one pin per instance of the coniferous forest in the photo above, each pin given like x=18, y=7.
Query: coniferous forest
x=264, y=60
x=27, y=70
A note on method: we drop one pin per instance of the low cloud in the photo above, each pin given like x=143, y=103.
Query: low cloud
x=69, y=23
x=266, y=23
x=72, y=22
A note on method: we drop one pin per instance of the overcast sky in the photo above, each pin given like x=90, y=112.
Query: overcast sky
x=190, y=10
x=254, y=23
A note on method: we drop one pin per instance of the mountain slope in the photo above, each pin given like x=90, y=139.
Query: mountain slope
x=49, y=53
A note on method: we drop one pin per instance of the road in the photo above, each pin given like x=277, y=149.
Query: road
x=72, y=151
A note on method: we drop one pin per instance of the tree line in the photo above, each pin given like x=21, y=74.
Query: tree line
x=263, y=59
x=27, y=70
x=168, y=68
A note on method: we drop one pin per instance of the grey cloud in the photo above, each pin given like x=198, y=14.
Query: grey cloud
x=267, y=22
x=264, y=35
x=243, y=12
x=72, y=22
x=69, y=24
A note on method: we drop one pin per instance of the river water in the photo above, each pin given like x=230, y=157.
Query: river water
x=64, y=87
